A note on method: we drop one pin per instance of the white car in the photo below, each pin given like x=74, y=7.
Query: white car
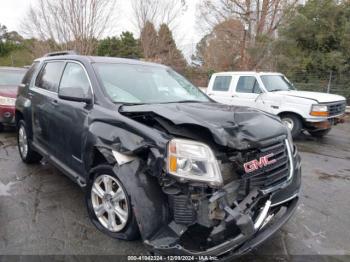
x=274, y=93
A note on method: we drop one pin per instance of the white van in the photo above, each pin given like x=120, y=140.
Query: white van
x=274, y=93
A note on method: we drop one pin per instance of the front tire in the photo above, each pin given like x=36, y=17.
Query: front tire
x=319, y=133
x=28, y=155
x=293, y=123
x=109, y=205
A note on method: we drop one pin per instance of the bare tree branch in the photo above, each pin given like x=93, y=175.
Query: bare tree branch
x=157, y=12
x=69, y=24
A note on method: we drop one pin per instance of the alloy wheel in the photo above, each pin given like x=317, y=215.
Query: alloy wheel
x=110, y=203
x=23, y=141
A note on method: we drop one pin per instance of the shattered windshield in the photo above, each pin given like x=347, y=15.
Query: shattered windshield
x=139, y=84
x=276, y=83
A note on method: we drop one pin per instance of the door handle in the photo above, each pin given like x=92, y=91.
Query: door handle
x=54, y=102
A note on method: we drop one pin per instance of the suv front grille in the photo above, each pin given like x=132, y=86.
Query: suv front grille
x=270, y=175
x=337, y=108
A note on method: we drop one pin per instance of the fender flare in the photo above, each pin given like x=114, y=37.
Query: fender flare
x=148, y=201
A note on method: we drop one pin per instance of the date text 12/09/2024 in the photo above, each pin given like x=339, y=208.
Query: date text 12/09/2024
x=172, y=258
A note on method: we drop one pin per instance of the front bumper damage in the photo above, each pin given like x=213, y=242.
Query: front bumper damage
x=316, y=124
x=274, y=210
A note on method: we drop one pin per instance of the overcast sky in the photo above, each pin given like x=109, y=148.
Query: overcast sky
x=12, y=11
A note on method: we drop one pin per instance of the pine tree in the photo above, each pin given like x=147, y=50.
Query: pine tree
x=148, y=41
x=168, y=53
x=126, y=46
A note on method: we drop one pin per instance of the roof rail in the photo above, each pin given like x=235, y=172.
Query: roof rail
x=69, y=52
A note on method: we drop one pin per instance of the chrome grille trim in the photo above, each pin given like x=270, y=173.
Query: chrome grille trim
x=337, y=108
x=290, y=176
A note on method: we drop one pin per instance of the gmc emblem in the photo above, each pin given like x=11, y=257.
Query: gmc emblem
x=255, y=164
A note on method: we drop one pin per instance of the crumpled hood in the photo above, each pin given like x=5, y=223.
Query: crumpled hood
x=318, y=97
x=235, y=127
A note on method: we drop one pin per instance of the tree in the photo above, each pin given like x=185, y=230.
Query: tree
x=260, y=18
x=126, y=46
x=220, y=50
x=316, y=39
x=168, y=53
x=148, y=40
x=314, y=46
x=69, y=24
x=130, y=47
x=157, y=12
x=9, y=41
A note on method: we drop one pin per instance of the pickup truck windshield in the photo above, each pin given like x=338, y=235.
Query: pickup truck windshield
x=276, y=83
x=139, y=84
x=11, y=78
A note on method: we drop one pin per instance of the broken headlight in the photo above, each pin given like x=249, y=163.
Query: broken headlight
x=193, y=161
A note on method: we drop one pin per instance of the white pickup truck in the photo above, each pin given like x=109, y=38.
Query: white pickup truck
x=274, y=93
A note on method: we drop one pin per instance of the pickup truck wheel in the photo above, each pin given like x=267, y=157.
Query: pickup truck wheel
x=319, y=133
x=1, y=127
x=28, y=155
x=292, y=122
x=109, y=205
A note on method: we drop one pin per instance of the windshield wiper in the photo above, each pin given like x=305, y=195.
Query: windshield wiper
x=275, y=90
x=128, y=104
x=188, y=101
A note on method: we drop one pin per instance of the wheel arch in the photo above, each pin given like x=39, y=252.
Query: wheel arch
x=18, y=116
x=283, y=113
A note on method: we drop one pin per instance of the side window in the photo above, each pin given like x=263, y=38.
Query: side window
x=222, y=83
x=74, y=76
x=28, y=76
x=49, y=76
x=248, y=84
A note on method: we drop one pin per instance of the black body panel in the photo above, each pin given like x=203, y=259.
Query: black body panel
x=72, y=134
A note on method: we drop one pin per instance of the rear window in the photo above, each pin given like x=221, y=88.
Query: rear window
x=222, y=83
x=11, y=77
x=28, y=76
x=50, y=75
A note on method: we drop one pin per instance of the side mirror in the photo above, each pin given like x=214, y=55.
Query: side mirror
x=76, y=94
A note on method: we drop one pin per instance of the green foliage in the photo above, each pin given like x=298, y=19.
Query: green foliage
x=315, y=42
x=124, y=46
x=8, y=41
x=316, y=39
x=18, y=58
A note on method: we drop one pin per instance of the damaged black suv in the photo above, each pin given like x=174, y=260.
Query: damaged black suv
x=157, y=157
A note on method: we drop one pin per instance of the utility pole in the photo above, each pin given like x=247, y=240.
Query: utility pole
x=243, y=66
x=329, y=82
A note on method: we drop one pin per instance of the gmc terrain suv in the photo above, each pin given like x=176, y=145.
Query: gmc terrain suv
x=157, y=157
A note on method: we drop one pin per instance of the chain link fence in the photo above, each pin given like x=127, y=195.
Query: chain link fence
x=328, y=83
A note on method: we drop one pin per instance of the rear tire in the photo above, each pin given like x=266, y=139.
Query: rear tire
x=319, y=133
x=1, y=127
x=109, y=205
x=28, y=155
x=293, y=123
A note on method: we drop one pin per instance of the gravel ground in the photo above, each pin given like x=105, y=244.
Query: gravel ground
x=43, y=213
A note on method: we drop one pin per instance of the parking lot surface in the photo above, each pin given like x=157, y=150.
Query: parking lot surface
x=42, y=212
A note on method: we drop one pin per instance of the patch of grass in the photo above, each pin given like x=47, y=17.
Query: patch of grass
x=17, y=58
